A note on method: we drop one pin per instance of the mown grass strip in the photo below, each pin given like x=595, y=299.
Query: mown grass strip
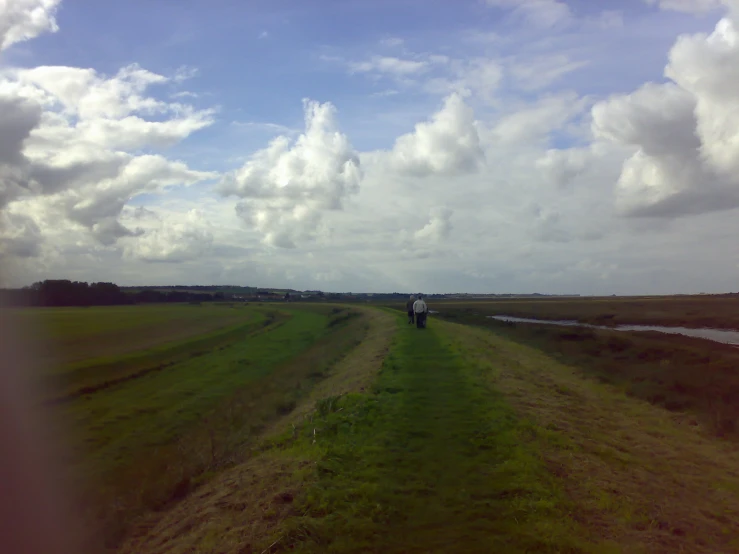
x=431, y=461
x=164, y=433
x=241, y=505
x=149, y=412
x=228, y=434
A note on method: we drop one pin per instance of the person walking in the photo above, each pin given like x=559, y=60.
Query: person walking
x=421, y=310
x=409, y=309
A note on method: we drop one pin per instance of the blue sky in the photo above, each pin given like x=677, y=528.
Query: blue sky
x=442, y=133
x=254, y=78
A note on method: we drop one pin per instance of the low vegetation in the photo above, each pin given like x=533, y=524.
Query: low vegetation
x=644, y=478
x=326, y=428
x=150, y=425
x=430, y=460
x=84, y=337
x=681, y=374
x=94, y=375
x=721, y=312
x=241, y=507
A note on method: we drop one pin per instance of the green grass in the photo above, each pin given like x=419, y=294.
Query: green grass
x=149, y=440
x=640, y=475
x=81, y=335
x=152, y=410
x=677, y=373
x=467, y=441
x=68, y=324
x=432, y=460
x=98, y=373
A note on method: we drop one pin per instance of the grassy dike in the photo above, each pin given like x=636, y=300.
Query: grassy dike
x=432, y=459
x=455, y=439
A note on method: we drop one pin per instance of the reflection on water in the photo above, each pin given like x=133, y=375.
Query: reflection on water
x=716, y=335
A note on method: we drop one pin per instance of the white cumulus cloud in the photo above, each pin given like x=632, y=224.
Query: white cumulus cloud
x=288, y=186
x=173, y=238
x=68, y=142
x=563, y=166
x=707, y=68
x=684, y=133
x=438, y=228
x=98, y=205
x=22, y=20
x=448, y=144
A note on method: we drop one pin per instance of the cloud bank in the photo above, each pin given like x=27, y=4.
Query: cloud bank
x=544, y=153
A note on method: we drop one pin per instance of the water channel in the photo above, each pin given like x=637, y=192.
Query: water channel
x=717, y=335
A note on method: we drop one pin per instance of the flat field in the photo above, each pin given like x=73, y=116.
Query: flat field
x=322, y=428
x=85, y=334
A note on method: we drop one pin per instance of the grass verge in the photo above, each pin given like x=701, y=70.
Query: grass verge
x=639, y=476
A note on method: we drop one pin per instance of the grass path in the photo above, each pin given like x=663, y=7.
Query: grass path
x=433, y=461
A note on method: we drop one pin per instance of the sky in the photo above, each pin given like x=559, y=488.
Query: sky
x=491, y=146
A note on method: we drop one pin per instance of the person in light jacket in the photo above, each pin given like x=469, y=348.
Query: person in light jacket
x=421, y=310
x=409, y=309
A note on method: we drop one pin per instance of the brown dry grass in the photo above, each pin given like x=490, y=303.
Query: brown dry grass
x=233, y=513
x=648, y=479
x=242, y=506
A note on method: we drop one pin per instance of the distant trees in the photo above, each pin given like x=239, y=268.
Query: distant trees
x=63, y=292
x=159, y=296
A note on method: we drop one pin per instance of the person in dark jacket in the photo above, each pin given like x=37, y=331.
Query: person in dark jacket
x=409, y=309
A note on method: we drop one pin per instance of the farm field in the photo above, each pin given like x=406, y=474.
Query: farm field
x=79, y=336
x=322, y=428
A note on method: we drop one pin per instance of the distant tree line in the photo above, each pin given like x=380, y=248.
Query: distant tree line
x=234, y=289
x=63, y=292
